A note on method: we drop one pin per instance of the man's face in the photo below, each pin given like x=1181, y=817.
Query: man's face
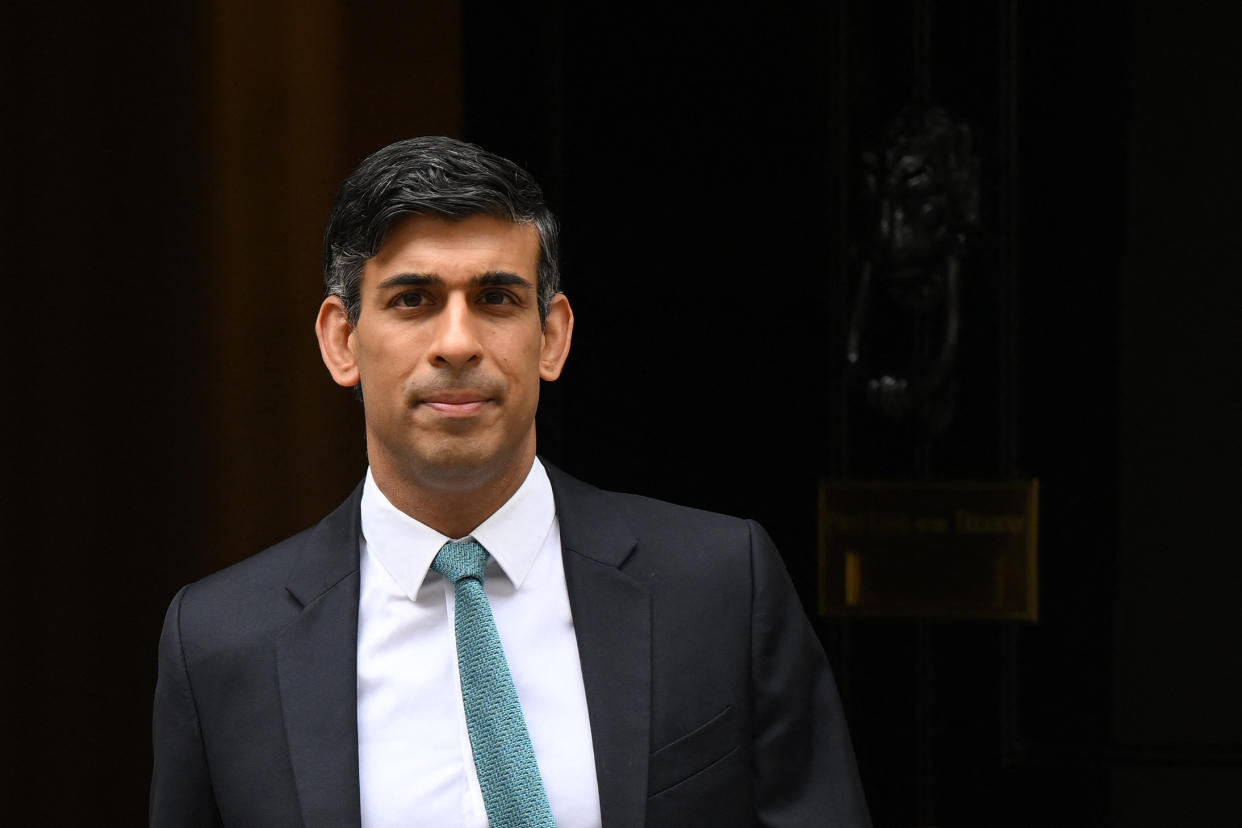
x=449, y=350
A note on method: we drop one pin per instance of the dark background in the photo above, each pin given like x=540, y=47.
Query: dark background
x=167, y=173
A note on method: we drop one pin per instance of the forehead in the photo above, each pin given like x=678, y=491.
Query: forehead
x=468, y=246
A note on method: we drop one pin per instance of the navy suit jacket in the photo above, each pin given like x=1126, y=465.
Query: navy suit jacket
x=710, y=699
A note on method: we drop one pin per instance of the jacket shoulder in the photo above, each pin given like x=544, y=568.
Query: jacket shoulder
x=640, y=512
x=652, y=539
x=262, y=588
x=256, y=574
x=648, y=514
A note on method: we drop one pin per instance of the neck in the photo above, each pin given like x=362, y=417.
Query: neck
x=457, y=508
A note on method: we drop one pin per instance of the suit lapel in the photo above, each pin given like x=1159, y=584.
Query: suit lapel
x=316, y=660
x=612, y=621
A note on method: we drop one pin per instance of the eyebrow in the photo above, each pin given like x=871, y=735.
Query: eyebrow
x=501, y=278
x=492, y=278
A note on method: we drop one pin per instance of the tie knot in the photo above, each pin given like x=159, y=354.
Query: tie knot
x=461, y=559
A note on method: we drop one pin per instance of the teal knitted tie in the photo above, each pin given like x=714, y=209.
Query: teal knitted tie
x=508, y=774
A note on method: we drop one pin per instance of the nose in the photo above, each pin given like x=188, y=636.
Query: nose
x=456, y=342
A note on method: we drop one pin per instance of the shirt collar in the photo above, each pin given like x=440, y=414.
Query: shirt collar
x=513, y=535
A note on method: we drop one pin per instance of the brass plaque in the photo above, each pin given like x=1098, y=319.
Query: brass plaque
x=929, y=549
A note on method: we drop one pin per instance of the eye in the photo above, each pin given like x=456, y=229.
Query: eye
x=410, y=299
x=495, y=297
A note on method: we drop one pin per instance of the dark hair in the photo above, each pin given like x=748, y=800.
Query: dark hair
x=430, y=176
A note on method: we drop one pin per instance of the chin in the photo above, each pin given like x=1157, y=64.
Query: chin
x=461, y=466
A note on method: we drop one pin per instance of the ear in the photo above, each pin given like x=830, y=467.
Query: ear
x=336, y=340
x=558, y=330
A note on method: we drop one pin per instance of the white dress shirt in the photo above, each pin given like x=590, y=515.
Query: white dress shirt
x=415, y=764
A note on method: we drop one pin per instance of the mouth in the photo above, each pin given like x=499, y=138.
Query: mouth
x=456, y=403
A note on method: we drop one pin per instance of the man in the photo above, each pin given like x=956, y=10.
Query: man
x=645, y=664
